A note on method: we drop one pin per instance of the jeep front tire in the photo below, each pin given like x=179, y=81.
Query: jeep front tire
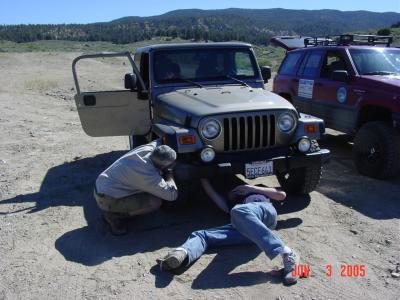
x=376, y=150
x=301, y=181
x=136, y=141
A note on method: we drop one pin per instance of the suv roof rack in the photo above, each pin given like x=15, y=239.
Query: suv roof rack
x=349, y=39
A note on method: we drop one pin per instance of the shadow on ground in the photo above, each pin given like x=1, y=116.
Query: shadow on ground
x=221, y=270
x=378, y=199
x=218, y=274
x=93, y=244
x=71, y=184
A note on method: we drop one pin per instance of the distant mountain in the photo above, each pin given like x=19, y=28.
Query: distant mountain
x=251, y=25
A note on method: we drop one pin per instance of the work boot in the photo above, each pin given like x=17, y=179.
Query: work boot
x=172, y=260
x=116, y=223
x=290, y=261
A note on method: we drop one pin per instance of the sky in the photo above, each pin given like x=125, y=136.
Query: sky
x=89, y=11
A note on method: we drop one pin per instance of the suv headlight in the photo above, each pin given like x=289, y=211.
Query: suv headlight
x=210, y=129
x=286, y=122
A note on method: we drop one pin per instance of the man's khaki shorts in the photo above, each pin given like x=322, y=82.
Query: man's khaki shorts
x=130, y=205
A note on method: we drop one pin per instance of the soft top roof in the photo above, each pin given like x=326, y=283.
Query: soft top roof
x=193, y=45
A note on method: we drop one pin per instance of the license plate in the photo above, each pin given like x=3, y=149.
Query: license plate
x=259, y=169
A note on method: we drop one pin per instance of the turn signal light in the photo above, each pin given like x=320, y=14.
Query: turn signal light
x=310, y=128
x=187, y=140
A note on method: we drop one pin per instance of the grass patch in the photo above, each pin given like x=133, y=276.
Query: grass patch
x=73, y=46
x=266, y=55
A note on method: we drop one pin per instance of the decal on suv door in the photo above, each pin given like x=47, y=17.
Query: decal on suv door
x=341, y=95
x=306, y=87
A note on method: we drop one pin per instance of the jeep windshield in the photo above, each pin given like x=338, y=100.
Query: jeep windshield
x=376, y=61
x=204, y=64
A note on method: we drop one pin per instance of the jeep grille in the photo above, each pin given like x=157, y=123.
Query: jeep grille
x=249, y=132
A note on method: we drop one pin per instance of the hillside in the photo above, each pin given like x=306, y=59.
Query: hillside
x=250, y=25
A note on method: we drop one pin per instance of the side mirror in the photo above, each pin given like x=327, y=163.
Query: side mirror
x=266, y=73
x=130, y=81
x=340, y=75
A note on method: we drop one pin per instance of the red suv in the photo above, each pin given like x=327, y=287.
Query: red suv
x=353, y=83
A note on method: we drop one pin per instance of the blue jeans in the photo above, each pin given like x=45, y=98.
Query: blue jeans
x=250, y=223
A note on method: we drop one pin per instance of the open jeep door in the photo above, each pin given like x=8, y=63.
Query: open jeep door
x=289, y=42
x=115, y=112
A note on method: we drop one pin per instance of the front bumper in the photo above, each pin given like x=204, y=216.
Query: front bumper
x=235, y=163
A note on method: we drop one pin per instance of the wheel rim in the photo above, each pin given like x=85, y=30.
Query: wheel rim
x=374, y=154
x=370, y=153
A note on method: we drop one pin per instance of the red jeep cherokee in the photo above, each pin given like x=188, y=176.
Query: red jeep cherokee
x=353, y=83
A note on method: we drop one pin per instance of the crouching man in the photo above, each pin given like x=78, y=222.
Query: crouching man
x=136, y=184
x=253, y=218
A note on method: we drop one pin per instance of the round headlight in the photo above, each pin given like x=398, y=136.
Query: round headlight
x=304, y=145
x=207, y=154
x=286, y=122
x=210, y=129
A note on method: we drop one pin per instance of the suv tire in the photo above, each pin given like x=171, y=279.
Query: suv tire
x=136, y=140
x=185, y=193
x=302, y=181
x=376, y=150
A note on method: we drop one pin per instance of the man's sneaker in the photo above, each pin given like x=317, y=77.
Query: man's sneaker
x=117, y=224
x=290, y=261
x=172, y=260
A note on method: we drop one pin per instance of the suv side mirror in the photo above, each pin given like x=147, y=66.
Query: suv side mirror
x=340, y=75
x=266, y=73
x=130, y=81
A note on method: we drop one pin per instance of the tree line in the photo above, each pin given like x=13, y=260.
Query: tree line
x=126, y=33
x=253, y=26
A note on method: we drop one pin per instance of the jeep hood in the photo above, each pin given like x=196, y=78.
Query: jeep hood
x=218, y=100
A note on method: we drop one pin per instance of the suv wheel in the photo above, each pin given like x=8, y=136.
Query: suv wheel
x=376, y=150
x=302, y=180
x=185, y=193
x=137, y=140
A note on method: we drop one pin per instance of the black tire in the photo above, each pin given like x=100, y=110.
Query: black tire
x=301, y=181
x=185, y=193
x=376, y=150
x=137, y=140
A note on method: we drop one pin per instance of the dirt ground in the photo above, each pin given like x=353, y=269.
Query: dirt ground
x=54, y=245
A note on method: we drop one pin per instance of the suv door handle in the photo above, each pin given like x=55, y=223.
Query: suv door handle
x=295, y=80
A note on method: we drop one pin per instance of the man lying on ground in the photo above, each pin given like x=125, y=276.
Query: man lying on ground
x=135, y=184
x=252, y=219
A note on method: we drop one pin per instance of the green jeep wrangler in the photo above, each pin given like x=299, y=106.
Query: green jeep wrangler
x=208, y=102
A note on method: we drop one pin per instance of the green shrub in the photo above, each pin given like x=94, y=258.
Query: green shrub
x=384, y=31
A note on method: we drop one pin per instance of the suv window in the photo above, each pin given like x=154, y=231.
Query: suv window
x=310, y=64
x=144, y=68
x=333, y=61
x=203, y=64
x=376, y=61
x=289, y=64
x=137, y=59
x=244, y=66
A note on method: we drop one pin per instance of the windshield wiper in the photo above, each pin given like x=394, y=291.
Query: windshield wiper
x=380, y=73
x=189, y=81
x=237, y=80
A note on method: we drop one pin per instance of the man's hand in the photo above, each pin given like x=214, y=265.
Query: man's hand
x=272, y=193
x=243, y=190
